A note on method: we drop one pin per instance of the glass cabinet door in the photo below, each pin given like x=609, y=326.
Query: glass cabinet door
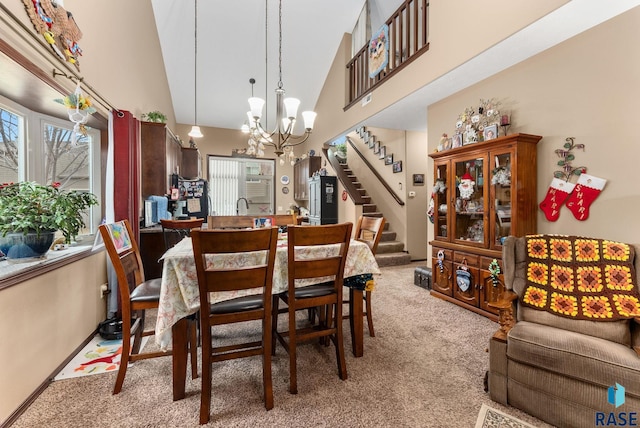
x=501, y=197
x=440, y=199
x=469, y=222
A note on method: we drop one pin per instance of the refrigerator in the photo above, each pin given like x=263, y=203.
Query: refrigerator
x=190, y=197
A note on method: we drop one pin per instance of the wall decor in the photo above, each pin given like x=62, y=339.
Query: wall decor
x=57, y=26
x=383, y=152
x=578, y=196
x=376, y=147
x=379, y=51
x=284, y=179
x=285, y=190
x=418, y=179
x=372, y=141
x=397, y=166
x=388, y=159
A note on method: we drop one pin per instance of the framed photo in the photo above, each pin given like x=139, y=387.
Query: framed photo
x=365, y=137
x=418, y=179
x=372, y=141
x=397, y=166
x=383, y=152
x=376, y=147
x=456, y=141
x=388, y=159
x=360, y=131
x=490, y=132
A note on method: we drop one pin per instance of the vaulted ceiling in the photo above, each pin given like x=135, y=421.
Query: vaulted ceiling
x=231, y=49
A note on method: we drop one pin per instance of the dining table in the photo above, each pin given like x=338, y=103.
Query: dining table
x=179, y=294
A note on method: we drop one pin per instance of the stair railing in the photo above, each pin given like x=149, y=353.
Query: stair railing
x=408, y=35
x=376, y=173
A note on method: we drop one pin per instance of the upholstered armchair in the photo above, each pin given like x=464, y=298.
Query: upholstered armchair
x=569, y=335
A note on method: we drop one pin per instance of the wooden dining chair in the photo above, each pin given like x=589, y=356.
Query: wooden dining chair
x=136, y=295
x=253, y=272
x=284, y=219
x=368, y=230
x=325, y=295
x=229, y=222
x=173, y=231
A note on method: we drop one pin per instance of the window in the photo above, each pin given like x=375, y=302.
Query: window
x=242, y=186
x=36, y=147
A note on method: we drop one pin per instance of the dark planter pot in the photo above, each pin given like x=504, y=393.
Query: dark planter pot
x=19, y=247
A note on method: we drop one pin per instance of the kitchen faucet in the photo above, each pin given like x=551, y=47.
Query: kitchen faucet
x=246, y=203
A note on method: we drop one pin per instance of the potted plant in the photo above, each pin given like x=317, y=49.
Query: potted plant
x=31, y=213
x=154, y=116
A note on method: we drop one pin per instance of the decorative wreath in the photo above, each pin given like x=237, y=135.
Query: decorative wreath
x=494, y=270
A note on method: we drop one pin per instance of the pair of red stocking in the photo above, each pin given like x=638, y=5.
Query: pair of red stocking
x=578, y=197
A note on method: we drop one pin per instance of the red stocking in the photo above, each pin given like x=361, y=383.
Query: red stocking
x=586, y=191
x=556, y=194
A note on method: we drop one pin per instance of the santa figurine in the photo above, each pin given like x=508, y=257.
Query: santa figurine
x=466, y=186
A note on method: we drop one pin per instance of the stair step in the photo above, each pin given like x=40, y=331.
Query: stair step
x=387, y=235
x=387, y=247
x=393, y=259
x=369, y=208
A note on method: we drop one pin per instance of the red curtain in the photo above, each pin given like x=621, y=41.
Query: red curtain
x=126, y=169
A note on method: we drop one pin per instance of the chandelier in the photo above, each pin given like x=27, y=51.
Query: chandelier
x=281, y=139
x=195, y=129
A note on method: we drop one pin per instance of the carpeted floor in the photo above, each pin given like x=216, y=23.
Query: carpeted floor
x=424, y=368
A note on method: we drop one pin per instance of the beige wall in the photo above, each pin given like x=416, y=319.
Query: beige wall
x=43, y=321
x=121, y=57
x=585, y=88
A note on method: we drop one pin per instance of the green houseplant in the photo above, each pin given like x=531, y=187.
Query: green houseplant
x=154, y=116
x=31, y=208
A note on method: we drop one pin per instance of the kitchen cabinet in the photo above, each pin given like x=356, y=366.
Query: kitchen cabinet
x=302, y=171
x=191, y=161
x=161, y=156
x=484, y=192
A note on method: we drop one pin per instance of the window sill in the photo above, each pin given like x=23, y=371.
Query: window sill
x=15, y=273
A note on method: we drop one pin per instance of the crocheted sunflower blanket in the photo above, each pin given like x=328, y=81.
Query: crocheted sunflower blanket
x=581, y=278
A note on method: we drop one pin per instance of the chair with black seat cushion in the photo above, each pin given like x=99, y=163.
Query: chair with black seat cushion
x=136, y=294
x=327, y=295
x=368, y=230
x=217, y=272
x=173, y=231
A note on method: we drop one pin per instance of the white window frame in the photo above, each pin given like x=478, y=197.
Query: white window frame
x=31, y=152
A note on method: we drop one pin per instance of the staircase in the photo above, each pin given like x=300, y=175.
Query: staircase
x=390, y=252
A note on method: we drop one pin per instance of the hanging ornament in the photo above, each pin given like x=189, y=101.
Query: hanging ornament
x=79, y=109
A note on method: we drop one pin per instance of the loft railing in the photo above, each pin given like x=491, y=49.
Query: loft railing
x=408, y=35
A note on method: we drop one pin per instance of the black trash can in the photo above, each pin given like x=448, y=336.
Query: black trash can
x=422, y=277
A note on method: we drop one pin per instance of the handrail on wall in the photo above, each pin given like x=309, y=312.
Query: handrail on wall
x=376, y=173
x=344, y=178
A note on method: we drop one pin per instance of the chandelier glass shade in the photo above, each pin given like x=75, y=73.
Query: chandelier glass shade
x=281, y=138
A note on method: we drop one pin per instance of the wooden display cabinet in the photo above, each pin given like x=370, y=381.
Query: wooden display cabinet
x=471, y=222
x=302, y=171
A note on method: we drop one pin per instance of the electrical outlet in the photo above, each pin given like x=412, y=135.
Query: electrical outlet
x=104, y=290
